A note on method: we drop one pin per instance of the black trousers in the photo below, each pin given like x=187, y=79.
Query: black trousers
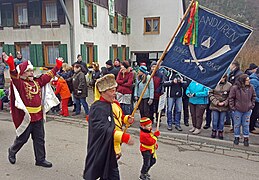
x=254, y=116
x=153, y=110
x=185, y=109
x=36, y=130
x=148, y=161
x=113, y=174
x=144, y=108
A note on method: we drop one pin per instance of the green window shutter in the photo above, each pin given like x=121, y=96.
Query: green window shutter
x=11, y=49
x=127, y=25
x=63, y=52
x=127, y=53
x=94, y=15
x=120, y=53
x=112, y=23
x=83, y=52
x=6, y=49
x=95, y=53
x=119, y=23
x=33, y=54
x=111, y=53
x=39, y=55
x=82, y=12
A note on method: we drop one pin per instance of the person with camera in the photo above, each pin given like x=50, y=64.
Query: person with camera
x=174, y=91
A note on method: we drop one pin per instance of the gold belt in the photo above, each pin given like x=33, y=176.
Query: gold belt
x=34, y=109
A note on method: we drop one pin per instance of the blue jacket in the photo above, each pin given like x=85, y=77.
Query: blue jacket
x=201, y=93
x=254, y=80
x=140, y=87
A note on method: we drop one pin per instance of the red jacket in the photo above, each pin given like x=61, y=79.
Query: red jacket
x=125, y=83
x=147, y=139
x=62, y=89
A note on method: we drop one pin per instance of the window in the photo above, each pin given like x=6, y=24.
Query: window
x=89, y=52
x=88, y=13
x=124, y=25
x=49, y=12
x=152, y=25
x=20, y=14
x=113, y=52
x=51, y=52
x=24, y=48
x=114, y=23
x=0, y=18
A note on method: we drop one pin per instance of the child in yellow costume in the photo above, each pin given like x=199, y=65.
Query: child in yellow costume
x=120, y=119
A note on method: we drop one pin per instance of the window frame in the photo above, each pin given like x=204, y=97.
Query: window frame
x=115, y=51
x=152, y=24
x=45, y=52
x=18, y=46
x=43, y=9
x=16, y=18
x=89, y=52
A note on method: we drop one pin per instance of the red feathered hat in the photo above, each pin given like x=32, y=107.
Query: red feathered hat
x=23, y=67
x=145, y=121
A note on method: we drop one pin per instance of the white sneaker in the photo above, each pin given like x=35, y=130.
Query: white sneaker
x=192, y=129
x=197, y=131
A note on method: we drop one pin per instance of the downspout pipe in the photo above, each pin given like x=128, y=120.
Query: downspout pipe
x=71, y=29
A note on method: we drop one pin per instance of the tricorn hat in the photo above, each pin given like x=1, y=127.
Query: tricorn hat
x=106, y=82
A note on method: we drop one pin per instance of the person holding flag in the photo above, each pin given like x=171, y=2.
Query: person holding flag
x=28, y=102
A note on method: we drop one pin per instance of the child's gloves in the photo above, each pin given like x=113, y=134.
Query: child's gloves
x=59, y=62
x=79, y=92
x=157, y=133
x=156, y=146
x=9, y=61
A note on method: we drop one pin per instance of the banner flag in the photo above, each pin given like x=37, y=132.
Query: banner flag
x=219, y=41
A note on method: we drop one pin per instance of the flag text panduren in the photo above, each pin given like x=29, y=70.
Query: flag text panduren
x=221, y=26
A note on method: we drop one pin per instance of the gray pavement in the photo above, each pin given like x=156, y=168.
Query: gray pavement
x=66, y=149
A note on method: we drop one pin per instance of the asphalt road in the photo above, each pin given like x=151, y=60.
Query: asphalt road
x=66, y=149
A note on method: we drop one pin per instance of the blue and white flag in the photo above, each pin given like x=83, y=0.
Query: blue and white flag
x=219, y=41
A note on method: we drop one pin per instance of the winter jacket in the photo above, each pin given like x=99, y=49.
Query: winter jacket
x=158, y=85
x=242, y=99
x=95, y=75
x=83, y=66
x=112, y=70
x=148, y=141
x=174, y=90
x=62, y=89
x=67, y=76
x=2, y=78
x=254, y=80
x=233, y=76
x=125, y=83
x=200, y=93
x=220, y=94
x=79, y=85
x=139, y=87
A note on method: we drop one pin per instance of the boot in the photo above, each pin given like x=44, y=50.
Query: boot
x=236, y=141
x=220, y=135
x=214, y=133
x=143, y=177
x=246, y=141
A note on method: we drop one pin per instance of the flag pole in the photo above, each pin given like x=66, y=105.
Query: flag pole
x=160, y=60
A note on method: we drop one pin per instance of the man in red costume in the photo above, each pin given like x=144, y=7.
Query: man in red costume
x=28, y=107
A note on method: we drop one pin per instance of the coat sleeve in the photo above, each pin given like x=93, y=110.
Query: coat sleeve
x=146, y=139
x=213, y=99
x=203, y=93
x=231, y=98
x=58, y=88
x=151, y=89
x=82, y=82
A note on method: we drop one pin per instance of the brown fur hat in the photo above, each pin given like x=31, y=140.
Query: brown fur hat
x=106, y=82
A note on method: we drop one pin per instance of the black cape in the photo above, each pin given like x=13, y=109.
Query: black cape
x=101, y=156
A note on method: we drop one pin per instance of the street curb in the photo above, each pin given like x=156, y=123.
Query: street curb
x=170, y=137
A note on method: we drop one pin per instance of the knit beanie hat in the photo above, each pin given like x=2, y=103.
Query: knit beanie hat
x=143, y=69
x=145, y=121
x=125, y=64
x=252, y=66
x=109, y=62
x=154, y=63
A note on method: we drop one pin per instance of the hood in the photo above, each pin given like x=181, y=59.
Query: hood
x=61, y=80
x=254, y=76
